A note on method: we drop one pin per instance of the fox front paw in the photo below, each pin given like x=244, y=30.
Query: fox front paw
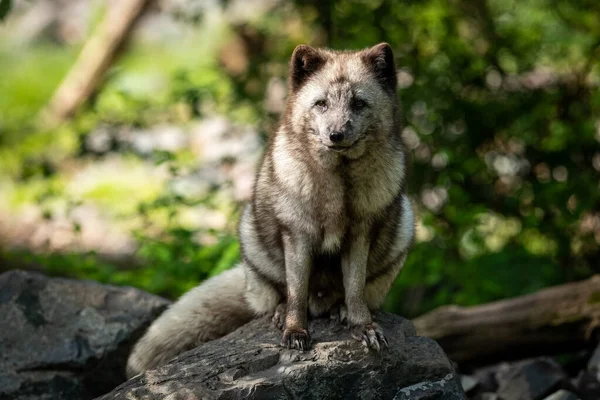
x=296, y=339
x=370, y=335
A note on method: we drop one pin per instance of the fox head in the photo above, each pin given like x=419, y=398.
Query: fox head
x=338, y=102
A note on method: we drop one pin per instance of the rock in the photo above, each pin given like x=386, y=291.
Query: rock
x=487, y=396
x=576, y=361
x=431, y=390
x=67, y=339
x=562, y=395
x=249, y=364
x=593, y=365
x=587, y=386
x=530, y=380
x=468, y=383
x=486, y=377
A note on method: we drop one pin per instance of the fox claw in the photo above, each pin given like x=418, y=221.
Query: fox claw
x=370, y=335
x=296, y=339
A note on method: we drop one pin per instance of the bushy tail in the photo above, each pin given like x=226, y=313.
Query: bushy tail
x=207, y=312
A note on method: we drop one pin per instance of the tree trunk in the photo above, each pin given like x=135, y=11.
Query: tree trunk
x=554, y=320
x=95, y=58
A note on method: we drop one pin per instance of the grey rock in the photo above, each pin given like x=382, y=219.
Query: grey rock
x=486, y=376
x=468, y=382
x=530, y=379
x=487, y=396
x=593, y=365
x=249, y=364
x=587, y=385
x=562, y=395
x=445, y=389
x=67, y=339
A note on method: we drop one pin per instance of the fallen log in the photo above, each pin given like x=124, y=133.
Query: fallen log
x=555, y=320
x=93, y=61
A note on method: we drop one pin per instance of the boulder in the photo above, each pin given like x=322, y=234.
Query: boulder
x=468, y=383
x=587, y=385
x=67, y=339
x=250, y=364
x=486, y=377
x=487, y=396
x=562, y=395
x=532, y=379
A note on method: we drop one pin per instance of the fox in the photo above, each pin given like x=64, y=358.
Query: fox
x=328, y=226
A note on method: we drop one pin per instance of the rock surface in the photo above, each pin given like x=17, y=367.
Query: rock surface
x=587, y=386
x=562, y=395
x=249, y=364
x=541, y=378
x=67, y=339
x=531, y=380
x=468, y=383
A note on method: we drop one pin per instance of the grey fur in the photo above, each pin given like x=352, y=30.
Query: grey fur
x=205, y=313
x=329, y=225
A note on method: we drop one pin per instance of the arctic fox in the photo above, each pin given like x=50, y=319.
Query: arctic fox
x=329, y=225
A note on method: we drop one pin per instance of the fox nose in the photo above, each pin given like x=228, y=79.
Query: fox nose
x=336, y=137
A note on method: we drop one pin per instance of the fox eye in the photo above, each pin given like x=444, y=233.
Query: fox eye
x=322, y=104
x=358, y=104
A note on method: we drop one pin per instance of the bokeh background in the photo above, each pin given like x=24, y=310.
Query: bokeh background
x=144, y=184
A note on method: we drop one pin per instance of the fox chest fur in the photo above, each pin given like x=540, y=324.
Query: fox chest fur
x=324, y=196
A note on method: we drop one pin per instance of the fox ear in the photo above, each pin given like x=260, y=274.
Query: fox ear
x=305, y=61
x=380, y=59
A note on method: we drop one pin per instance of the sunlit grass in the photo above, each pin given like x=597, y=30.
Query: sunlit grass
x=28, y=78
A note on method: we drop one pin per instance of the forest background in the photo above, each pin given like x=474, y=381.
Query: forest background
x=144, y=184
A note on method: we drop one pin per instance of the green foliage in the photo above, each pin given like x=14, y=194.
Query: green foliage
x=168, y=266
x=142, y=90
x=5, y=6
x=24, y=90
